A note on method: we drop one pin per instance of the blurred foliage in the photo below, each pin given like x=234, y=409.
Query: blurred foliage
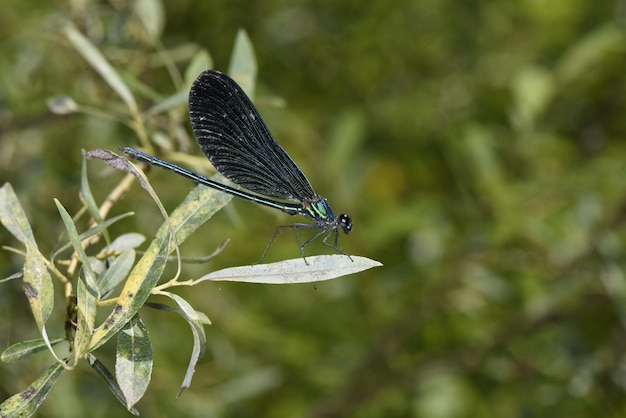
x=478, y=146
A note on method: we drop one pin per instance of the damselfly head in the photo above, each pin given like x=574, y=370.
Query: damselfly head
x=345, y=223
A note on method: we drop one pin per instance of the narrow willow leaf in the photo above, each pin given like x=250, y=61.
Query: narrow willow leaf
x=85, y=318
x=91, y=54
x=72, y=233
x=243, y=66
x=109, y=379
x=133, y=365
x=123, y=243
x=196, y=321
x=151, y=14
x=175, y=100
x=93, y=231
x=12, y=215
x=38, y=286
x=24, y=404
x=201, y=61
x=85, y=193
x=27, y=348
x=117, y=272
x=320, y=268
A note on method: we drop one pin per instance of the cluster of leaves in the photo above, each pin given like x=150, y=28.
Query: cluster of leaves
x=92, y=282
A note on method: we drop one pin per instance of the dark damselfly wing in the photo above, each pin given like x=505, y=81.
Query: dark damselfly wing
x=235, y=139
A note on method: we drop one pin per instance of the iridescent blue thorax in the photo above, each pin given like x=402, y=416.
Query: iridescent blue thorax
x=318, y=209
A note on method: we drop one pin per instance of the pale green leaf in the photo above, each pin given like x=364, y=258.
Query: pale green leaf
x=38, y=286
x=24, y=404
x=93, y=231
x=151, y=14
x=196, y=320
x=12, y=215
x=243, y=66
x=124, y=242
x=109, y=380
x=117, y=272
x=175, y=100
x=27, y=348
x=133, y=365
x=99, y=63
x=85, y=317
x=200, y=62
x=319, y=268
x=72, y=233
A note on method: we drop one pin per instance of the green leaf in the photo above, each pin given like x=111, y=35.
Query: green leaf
x=93, y=231
x=243, y=66
x=109, y=380
x=323, y=267
x=37, y=281
x=38, y=286
x=85, y=318
x=151, y=14
x=24, y=404
x=72, y=233
x=196, y=320
x=133, y=365
x=200, y=62
x=117, y=272
x=175, y=100
x=99, y=63
x=85, y=193
x=123, y=243
x=27, y=348
x=12, y=215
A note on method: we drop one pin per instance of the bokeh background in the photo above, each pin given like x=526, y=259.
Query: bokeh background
x=478, y=146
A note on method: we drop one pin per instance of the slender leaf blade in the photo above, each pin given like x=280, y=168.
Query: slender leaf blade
x=85, y=193
x=38, y=286
x=133, y=365
x=320, y=268
x=12, y=215
x=201, y=61
x=109, y=380
x=196, y=321
x=124, y=242
x=151, y=14
x=24, y=404
x=99, y=63
x=243, y=65
x=85, y=318
x=72, y=232
x=23, y=349
x=117, y=272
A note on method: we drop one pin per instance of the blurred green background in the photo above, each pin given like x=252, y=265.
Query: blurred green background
x=478, y=146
